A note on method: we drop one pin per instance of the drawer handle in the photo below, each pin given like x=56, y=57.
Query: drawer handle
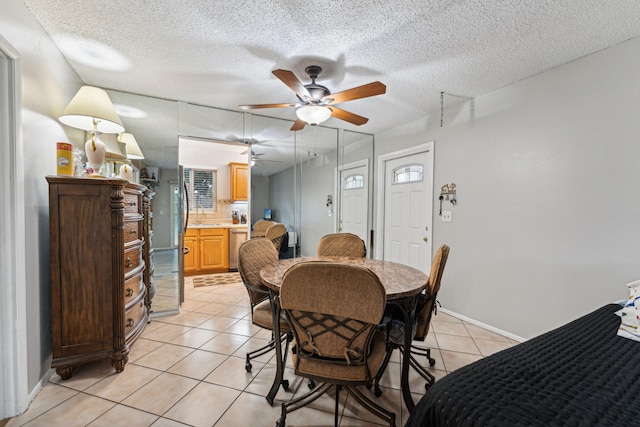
x=132, y=231
x=128, y=263
x=130, y=323
x=129, y=292
x=132, y=203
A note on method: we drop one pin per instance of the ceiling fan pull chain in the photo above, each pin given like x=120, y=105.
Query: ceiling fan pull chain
x=441, y=108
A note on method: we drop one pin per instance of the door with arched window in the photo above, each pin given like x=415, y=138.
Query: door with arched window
x=354, y=200
x=408, y=206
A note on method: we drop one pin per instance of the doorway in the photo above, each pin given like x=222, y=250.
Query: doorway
x=354, y=200
x=405, y=206
x=13, y=305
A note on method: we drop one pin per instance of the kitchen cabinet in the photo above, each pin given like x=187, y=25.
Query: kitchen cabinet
x=209, y=251
x=239, y=177
x=214, y=249
x=191, y=251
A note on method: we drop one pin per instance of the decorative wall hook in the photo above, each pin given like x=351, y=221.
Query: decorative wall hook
x=448, y=193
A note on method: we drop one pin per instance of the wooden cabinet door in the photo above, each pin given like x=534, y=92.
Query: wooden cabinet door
x=239, y=181
x=214, y=249
x=191, y=257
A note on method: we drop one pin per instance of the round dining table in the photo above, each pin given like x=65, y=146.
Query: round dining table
x=402, y=284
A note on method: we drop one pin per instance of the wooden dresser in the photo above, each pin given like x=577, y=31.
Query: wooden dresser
x=98, y=293
x=147, y=253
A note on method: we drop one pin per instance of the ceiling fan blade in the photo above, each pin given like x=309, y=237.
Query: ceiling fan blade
x=298, y=125
x=347, y=116
x=364, y=91
x=292, y=81
x=251, y=107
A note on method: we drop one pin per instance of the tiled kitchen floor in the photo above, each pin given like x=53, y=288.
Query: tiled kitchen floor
x=188, y=369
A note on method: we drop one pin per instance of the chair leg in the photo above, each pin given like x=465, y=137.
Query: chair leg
x=371, y=406
x=335, y=421
x=299, y=402
x=260, y=351
x=376, y=383
x=426, y=352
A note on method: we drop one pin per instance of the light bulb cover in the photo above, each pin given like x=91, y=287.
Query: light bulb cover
x=313, y=114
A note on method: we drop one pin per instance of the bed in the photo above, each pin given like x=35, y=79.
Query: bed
x=580, y=374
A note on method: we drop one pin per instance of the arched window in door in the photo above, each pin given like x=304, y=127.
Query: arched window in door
x=353, y=182
x=408, y=173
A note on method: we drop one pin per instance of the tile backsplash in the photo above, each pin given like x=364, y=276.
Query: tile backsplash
x=222, y=214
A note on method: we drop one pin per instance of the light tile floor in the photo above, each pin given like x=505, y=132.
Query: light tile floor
x=188, y=369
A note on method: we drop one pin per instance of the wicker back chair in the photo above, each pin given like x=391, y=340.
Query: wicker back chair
x=260, y=227
x=253, y=255
x=337, y=341
x=426, y=307
x=276, y=233
x=341, y=244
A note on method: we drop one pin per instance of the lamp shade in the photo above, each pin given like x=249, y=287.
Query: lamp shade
x=313, y=114
x=132, y=148
x=115, y=148
x=91, y=109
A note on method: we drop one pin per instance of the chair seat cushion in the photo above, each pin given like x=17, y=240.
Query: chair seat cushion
x=263, y=317
x=317, y=368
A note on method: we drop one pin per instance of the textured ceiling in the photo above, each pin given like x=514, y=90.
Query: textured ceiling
x=221, y=53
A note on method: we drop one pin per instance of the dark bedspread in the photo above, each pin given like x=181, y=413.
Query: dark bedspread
x=581, y=374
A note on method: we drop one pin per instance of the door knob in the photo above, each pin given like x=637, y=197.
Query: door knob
x=425, y=238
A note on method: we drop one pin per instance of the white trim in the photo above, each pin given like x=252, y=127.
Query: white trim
x=382, y=159
x=14, y=395
x=483, y=325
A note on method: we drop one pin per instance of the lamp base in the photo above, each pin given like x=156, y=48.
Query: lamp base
x=93, y=170
x=96, y=152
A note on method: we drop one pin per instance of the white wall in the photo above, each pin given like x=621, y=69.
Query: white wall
x=259, y=196
x=48, y=84
x=207, y=154
x=318, y=179
x=547, y=225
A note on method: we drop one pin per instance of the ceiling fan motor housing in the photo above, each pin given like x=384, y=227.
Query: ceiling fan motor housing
x=317, y=92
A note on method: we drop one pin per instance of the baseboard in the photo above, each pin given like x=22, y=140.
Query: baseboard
x=482, y=325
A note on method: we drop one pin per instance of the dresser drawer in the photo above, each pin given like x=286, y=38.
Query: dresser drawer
x=132, y=231
x=132, y=259
x=133, y=317
x=132, y=288
x=132, y=203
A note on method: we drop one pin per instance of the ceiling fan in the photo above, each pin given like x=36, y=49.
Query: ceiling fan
x=256, y=158
x=317, y=103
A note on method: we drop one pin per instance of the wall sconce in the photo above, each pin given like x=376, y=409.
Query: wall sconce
x=330, y=204
x=91, y=110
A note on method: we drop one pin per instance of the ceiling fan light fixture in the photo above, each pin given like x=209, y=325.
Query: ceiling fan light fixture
x=313, y=114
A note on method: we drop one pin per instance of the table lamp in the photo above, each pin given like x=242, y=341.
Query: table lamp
x=133, y=150
x=91, y=110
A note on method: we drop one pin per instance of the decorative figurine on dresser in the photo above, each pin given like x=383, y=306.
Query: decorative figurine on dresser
x=98, y=293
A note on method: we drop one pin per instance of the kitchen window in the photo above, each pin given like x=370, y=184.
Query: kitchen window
x=201, y=188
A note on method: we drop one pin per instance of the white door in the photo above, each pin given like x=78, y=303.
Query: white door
x=354, y=200
x=408, y=208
